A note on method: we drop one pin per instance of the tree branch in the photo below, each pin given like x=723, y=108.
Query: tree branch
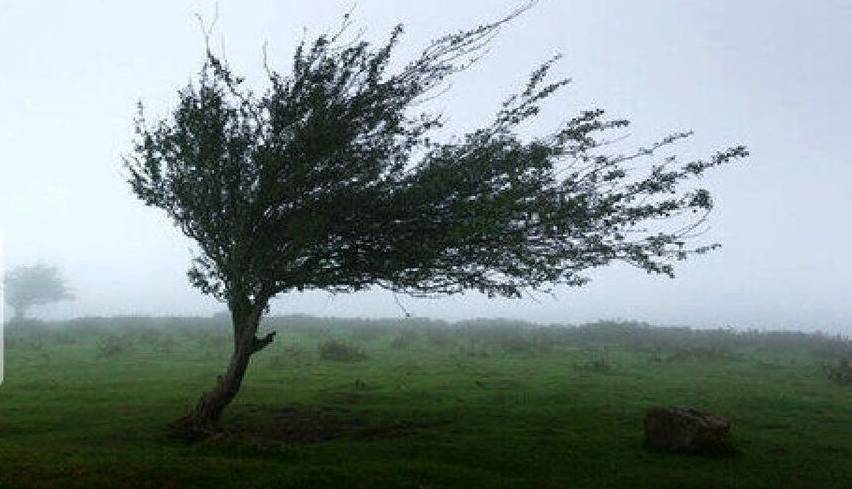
x=261, y=343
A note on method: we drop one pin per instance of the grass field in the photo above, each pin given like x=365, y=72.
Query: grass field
x=418, y=404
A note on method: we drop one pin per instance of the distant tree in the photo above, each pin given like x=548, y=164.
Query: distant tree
x=28, y=286
x=328, y=180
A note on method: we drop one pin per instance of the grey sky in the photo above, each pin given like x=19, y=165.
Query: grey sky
x=770, y=74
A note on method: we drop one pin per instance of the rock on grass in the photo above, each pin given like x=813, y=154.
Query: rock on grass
x=688, y=430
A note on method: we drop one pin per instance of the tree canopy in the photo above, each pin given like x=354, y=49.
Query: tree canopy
x=328, y=179
x=28, y=286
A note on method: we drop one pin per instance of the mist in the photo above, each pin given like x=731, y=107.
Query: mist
x=771, y=75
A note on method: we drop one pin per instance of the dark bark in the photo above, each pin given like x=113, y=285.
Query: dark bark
x=204, y=419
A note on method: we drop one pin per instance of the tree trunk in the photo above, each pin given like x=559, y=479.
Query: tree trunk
x=203, y=420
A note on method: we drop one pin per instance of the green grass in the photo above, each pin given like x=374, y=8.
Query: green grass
x=423, y=405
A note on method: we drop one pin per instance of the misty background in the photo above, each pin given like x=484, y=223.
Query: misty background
x=772, y=75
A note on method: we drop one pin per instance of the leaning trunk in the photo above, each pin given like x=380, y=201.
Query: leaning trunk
x=204, y=418
x=208, y=411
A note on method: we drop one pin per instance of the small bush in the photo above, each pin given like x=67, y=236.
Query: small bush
x=213, y=343
x=657, y=357
x=700, y=353
x=165, y=345
x=369, y=332
x=25, y=343
x=288, y=355
x=598, y=361
x=474, y=350
x=517, y=344
x=64, y=337
x=340, y=351
x=403, y=340
x=439, y=336
x=839, y=372
x=596, y=365
x=113, y=346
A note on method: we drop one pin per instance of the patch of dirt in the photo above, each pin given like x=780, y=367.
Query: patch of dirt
x=269, y=428
x=344, y=398
x=393, y=430
x=778, y=451
x=295, y=424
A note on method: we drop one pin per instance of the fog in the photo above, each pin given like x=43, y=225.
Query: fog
x=772, y=75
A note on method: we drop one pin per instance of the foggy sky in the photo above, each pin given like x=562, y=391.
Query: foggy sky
x=773, y=75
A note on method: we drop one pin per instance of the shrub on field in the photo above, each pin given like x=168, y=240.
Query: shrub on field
x=516, y=337
x=146, y=336
x=32, y=342
x=222, y=318
x=340, y=351
x=215, y=344
x=64, y=337
x=370, y=332
x=657, y=356
x=113, y=346
x=214, y=341
x=597, y=361
x=517, y=343
x=596, y=365
x=165, y=345
x=474, y=350
x=403, y=340
x=439, y=336
x=700, y=353
x=544, y=341
x=839, y=372
x=312, y=327
x=26, y=334
x=286, y=356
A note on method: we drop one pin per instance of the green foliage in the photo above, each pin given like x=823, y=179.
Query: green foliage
x=596, y=360
x=288, y=355
x=404, y=339
x=440, y=335
x=839, y=372
x=699, y=353
x=328, y=178
x=370, y=331
x=340, y=351
x=114, y=345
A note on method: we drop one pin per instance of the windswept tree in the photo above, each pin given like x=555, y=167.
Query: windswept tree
x=328, y=179
x=28, y=286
